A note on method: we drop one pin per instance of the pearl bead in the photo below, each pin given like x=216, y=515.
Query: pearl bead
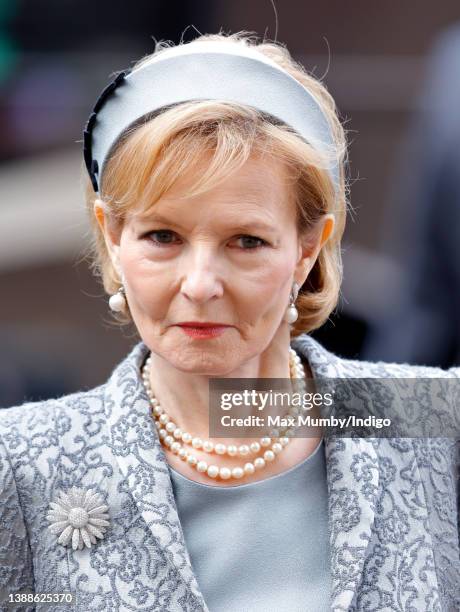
x=213, y=471
x=168, y=440
x=208, y=446
x=157, y=410
x=182, y=453
x=162, y=434
x=259, y=463
x=232, y=450
x=202, y=466
x=177, y=433
x=265, y=441
x=175, y=447
x=291, y=315
x=197, y=443
x=164, y=418
x=274, y=433
x=117, y=302
x=269, y=455
x=237, y=472
x=220, y=449
x=255, y=447
x=243, y=450
x=277, y=448
x=170, y=426
x=249, y=468
x=192, y=460
x=186, y=437
x=284, y=441
x=225, y=473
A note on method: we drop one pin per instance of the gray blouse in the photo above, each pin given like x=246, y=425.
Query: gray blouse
x=261, y=546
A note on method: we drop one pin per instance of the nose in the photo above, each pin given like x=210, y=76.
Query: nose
x=201, y=279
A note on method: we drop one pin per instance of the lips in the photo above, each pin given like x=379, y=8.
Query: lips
x=202, y=330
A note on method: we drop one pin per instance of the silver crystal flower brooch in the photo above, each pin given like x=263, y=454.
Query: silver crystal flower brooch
x=79, y=516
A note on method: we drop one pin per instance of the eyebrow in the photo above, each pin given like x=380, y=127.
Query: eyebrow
x=246, y=225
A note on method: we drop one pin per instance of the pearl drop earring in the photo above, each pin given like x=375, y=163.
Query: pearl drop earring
x=117, y=302
x=292, y=314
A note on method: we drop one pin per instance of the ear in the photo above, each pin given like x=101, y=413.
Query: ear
x=111, y=232
x=310, y=246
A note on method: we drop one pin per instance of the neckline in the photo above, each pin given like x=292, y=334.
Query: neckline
x=312, y=459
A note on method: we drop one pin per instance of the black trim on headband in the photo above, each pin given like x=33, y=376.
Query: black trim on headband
x=91, y=164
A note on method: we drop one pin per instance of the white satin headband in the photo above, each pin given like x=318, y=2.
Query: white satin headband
x=205, y=70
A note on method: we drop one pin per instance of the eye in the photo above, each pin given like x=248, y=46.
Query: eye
x=161, y=237
x=164, y=238
x=251, y=243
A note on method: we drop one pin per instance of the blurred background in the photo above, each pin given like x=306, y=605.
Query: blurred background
x=394, y=70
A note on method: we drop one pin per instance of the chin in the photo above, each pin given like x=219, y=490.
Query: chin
x=202, y=360
x=204, y=367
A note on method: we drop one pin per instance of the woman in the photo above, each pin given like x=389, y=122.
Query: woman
x=216, y=187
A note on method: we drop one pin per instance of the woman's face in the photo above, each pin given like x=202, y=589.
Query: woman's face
x=227, y=257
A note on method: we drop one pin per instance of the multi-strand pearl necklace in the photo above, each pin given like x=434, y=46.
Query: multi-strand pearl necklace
x=172, y=436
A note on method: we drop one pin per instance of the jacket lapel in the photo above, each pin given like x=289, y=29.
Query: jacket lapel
x=381, y=529
x=353, y=482
x=135, y=443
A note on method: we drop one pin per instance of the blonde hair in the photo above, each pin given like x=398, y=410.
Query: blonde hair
x=154, y=152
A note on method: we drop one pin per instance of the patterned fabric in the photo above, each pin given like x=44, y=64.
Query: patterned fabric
x=393, y=505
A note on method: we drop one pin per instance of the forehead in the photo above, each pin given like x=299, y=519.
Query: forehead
x=258, y=188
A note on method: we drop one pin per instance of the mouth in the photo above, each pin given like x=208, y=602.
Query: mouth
x=196, y=329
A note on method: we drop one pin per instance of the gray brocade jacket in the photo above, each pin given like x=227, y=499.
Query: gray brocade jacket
x=393, y=503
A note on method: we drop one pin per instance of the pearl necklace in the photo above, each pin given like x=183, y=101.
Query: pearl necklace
x=170, y=434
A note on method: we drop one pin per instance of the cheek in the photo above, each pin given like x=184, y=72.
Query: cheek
x=148, y=285
x=264, y=291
